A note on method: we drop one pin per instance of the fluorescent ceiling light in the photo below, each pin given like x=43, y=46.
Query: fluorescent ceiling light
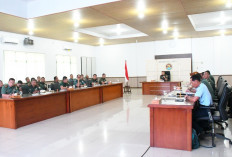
x=30, y=32
x=30, y=24
x=212, y=20
x=175, y=34
x=76, y=18
x=141, y=7
x=165, y=27
x=75, y=35
x=116, y=31
x=101, y=41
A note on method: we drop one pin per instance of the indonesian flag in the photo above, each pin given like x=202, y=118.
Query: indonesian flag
x=126, y=72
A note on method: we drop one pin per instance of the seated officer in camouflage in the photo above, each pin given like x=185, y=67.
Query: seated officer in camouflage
x=38, y=80
x=210, y=76
x=9, y=89
x=208, y=85
x=56, y=85
x=80, y=82
x=28, y=82
x=1, y=84
x=102, y=80
x=88, y=81
x=64, y=84
x=94, y=80
x=33, y=88
x=207, y=77
x=164, y=76
x=42, y=84
x=19, y=86
x=71, y=80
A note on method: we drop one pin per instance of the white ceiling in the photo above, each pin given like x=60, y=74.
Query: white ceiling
x=116, y=31
x=36, y=8
x=212, y=20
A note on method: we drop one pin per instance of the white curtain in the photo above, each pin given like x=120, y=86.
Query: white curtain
x=66, y=65
x=19, y=65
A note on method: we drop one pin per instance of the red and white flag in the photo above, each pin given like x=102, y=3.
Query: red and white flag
x=126, y=72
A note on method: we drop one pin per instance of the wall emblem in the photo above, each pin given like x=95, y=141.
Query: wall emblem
x=168, y=66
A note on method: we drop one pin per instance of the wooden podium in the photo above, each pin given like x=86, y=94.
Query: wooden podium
x=157, y=88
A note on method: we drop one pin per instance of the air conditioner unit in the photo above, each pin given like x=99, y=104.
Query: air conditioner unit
x=67, y=48
x=8, y=40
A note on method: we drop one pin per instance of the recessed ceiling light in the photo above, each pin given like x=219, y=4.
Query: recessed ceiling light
x=165, y=31
x=76, y=15
x=141, y=7
x=101, y=41
x=175, y=34
x=141, y=15
x=76, y=40
x=165, y=27
x=76, y=24
x=30, y=24
x=30, y=32
x=222, y=32
x=75, y=35
x=76, y=18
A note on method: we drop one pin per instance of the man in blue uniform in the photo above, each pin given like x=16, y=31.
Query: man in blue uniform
x=205, y=99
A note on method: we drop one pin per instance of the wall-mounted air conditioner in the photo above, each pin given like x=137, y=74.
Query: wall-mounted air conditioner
x=66, y=48
x=9, y=40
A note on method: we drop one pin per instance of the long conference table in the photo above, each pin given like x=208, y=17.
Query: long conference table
x=18, y=112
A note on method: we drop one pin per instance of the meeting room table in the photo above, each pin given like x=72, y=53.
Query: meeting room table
x=23, y=110
x=171, y=122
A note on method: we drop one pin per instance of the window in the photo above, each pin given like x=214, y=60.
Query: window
x=66, y=65
x=88, y=66
x=19, y=65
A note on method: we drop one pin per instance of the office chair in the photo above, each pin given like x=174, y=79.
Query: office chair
x=222, y=117
x=219, y=83
x=222, y=86
x=216, y=103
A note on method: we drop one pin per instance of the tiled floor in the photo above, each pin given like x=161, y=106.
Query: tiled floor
x=118, y=128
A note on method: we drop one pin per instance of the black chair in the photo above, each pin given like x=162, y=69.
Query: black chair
x=216, y=102
x=222, y=86
x=219, y=83
x=220, y=117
